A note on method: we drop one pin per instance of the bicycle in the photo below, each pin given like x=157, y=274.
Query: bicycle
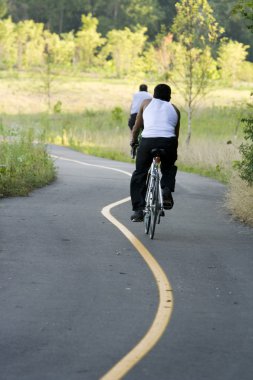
x=154, y=200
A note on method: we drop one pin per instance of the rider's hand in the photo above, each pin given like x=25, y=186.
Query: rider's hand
x=133, y=143
x=134, y=146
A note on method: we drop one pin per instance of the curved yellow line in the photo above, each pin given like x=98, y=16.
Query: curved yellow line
x=164, y=310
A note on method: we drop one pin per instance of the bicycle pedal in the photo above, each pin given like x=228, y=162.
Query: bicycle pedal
x=162, y=213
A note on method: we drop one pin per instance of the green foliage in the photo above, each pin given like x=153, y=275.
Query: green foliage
x=245, y=72
x=194, y=24
x=245, y=8
x=144, y=12
x=63, y=16
x=3, y=8
x=246, y=149
x=117, y=114
x=196, y=31
x=8, y=51
x=58, y=107
x=124, y=47
x=24, y=165
x=29, y=44
x=231, y=55
x=88, y=40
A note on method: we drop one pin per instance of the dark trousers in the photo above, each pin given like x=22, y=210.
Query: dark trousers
x=144, y=159
x=131, y=120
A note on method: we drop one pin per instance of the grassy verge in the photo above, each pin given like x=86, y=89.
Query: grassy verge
x=24, y=166
x=240, y=200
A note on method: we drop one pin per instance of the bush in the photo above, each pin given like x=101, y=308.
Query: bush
x=246, y=72
x=246, y=149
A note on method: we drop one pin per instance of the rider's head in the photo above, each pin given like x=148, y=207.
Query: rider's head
x=162, y=92
x=143, y=87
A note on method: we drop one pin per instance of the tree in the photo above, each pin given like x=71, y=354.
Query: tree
x=196, y=30
x=124, y=48
x=30, y=44
x=8, y=37
x=231, y=55
x=146, y=13
x=3, y=8
x=245, y=8
x=233, y=21
x=88, y=40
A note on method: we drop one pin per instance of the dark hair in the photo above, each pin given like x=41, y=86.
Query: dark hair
x=162, y=92
x=143, y=87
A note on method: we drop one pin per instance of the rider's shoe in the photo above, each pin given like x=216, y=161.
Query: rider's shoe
x=137, y=216
x=167, y=199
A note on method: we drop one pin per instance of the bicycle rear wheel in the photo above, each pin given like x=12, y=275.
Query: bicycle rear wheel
x=154, y=209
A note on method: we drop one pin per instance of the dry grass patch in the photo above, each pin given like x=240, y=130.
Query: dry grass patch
x=23, y=93
x=208, y=157
x=240, y=200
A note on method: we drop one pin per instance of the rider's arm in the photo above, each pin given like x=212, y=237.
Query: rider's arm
x=178, y=121
x=139, y=122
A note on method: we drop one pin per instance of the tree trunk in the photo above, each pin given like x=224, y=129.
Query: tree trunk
x=190, y=87
x=20, y=56
x=189, y=132
x=61, y=17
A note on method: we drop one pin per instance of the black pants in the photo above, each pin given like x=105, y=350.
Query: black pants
x=131, y=120
x=143, y=161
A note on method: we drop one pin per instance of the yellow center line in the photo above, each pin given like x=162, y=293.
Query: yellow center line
x=165, y=307
x=164, y=310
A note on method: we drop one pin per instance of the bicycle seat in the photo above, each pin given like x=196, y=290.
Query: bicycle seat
x=157, y=152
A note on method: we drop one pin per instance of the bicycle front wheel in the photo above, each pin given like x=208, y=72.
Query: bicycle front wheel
x=154, y=210
x=147, y=218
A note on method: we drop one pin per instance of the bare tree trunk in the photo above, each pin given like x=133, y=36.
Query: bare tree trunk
x=189, y=111
x=115, y=10
x=61, y=16
x=20, y=56
x=189, y=124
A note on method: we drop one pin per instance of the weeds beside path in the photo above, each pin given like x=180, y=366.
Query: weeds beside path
x=24, y=166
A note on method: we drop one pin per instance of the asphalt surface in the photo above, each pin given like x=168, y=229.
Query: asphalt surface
x=75, y=296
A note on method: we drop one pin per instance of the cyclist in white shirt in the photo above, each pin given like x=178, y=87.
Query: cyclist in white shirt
x=138, y=98
x=161, y=122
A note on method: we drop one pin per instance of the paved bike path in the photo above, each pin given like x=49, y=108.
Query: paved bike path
x=75, y=296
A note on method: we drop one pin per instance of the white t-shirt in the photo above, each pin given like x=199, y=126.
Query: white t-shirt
x=138, y=99
x=160, y=119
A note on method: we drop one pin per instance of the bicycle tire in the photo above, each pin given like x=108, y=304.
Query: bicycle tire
x=147, y=219
x=147, y=216
x=154, y=209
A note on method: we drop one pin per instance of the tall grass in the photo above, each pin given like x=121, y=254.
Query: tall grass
x=239, y=199
x=24, y=165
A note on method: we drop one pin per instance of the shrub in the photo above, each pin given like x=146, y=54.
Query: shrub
x=246, y=149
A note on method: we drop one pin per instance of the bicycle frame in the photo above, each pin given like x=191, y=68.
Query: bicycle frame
x=154, y=200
